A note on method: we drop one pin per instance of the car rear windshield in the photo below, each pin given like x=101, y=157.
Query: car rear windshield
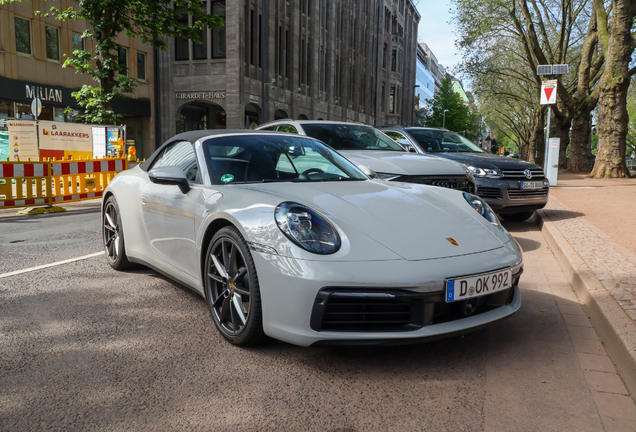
x=436, y=141
x=273, y=158
x=351, y=137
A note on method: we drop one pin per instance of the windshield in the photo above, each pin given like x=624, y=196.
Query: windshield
x=351, y=137
x=270, y=158
x=437, y=141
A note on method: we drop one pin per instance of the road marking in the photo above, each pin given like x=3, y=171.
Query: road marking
x=17, y=272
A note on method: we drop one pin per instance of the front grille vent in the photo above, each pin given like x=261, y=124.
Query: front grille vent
x=370, y=311
x=519, y=174
x=518, y=194
x=458, y=183
x=486, y=192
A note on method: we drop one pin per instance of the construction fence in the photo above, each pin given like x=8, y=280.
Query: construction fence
x=48, y=182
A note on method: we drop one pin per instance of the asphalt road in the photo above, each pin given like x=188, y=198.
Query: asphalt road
x=83, y=347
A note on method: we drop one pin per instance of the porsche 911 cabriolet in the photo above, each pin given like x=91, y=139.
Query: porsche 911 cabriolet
x=286, y=238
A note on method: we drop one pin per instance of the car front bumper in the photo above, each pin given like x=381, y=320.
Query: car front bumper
x=290, y=290
x=506, y=196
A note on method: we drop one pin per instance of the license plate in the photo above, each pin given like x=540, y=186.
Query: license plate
x=475, y=286
x=532, y=185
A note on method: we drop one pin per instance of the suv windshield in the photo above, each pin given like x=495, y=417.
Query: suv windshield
x=443, y=141
x=351, y=137
x=271, y=158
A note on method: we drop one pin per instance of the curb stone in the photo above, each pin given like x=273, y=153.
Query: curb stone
x=616, y=329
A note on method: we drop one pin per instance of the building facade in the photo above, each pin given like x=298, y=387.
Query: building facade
x=424, y=80
x=432, y=65
x=32, y=52
x=348, y=60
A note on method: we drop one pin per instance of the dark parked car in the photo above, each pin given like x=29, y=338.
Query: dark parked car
x=515, y=189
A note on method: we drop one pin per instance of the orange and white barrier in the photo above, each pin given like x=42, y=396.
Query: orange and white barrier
x=25, y=184
x=53, y=182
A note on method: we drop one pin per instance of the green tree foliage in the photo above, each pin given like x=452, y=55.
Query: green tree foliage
x=458, y=118
x=152, y=21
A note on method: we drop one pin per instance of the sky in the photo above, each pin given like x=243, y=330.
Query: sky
x=436, y=32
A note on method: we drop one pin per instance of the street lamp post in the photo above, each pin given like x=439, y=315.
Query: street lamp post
x=444, y=123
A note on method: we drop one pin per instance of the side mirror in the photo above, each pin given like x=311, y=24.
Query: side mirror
x=170, y=175
x=366, y=170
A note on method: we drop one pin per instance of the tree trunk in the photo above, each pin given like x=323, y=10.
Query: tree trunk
x=537, y=141
x=564, y=135
x=618, y=46
x=581, y=129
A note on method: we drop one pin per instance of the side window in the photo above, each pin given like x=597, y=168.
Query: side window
x=287, y=128
x=179, y=154
x=269, y=128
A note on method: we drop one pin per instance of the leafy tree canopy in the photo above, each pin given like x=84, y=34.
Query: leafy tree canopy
x=458, y=118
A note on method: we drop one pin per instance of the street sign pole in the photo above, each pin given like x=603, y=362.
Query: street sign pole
x=547, y=140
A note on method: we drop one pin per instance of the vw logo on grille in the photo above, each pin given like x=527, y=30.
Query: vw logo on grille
x=528, y=174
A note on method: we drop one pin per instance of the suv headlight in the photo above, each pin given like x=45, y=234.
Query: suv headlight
x=386, y=176
x=483, y=209
x=307, y=229
x=469, y=173
x=485, y=172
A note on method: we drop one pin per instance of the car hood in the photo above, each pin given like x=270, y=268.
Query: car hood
x=403, y=163
x=413, y=221
x=487, y=160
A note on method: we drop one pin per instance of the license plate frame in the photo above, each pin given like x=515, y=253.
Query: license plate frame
x=472, y=286
x=531, y=185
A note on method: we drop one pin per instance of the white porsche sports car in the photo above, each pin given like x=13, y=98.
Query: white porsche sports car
x=284, y=237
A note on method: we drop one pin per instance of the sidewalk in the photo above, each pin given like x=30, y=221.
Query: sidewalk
x=589, y=226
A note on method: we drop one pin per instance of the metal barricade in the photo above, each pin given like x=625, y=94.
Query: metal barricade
x=25, y=183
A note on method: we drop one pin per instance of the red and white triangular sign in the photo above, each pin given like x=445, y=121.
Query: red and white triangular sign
x=548, y=92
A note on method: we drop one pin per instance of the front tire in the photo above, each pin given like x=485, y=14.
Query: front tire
x=231, y=288
x=113, y=236
x=517, y=217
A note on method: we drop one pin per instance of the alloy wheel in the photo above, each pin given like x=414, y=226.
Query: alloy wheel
x=228, y=286
x=111, y=231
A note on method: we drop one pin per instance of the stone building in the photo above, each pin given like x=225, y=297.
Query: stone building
x=349, y=60
x=32, y=50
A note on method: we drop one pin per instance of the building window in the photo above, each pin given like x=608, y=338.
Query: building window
x=181, y=44
x=384, y=54
x=123, y=60
x=252, y=39
x=141, y=66
x=200, y=49
x=218, y=33
x=392, y=100
x=394, y=60
x=78, y=42
x=52, y=43
x=22, y=36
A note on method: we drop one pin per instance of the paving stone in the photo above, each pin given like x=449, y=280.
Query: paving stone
x=618, y=424
x=595, y=362
x=577, y=320
x=582, y=333
x=567, y=309
x=588, y=346
x=605, y=382
x=615, y=406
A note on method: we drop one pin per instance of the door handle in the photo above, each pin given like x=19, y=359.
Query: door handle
x=144, y=200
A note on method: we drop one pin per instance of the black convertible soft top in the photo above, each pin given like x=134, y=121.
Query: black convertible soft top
x=193, y=136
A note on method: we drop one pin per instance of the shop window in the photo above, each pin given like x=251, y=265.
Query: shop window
x=78, y=42
x=141, y=66
x=6, y=109
x=58, y=114
x=123, y=60
x=22, y=36
x=52, y=43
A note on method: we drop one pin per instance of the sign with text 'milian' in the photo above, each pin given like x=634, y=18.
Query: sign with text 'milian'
x=548, y=92
x=60, y=140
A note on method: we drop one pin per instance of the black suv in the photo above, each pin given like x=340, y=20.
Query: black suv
x=513, y=188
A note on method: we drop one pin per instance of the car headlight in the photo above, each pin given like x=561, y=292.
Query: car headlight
x=469, y=174
x=485, y=172
x=483, y=209
x=307, y=229
x=386, y=176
